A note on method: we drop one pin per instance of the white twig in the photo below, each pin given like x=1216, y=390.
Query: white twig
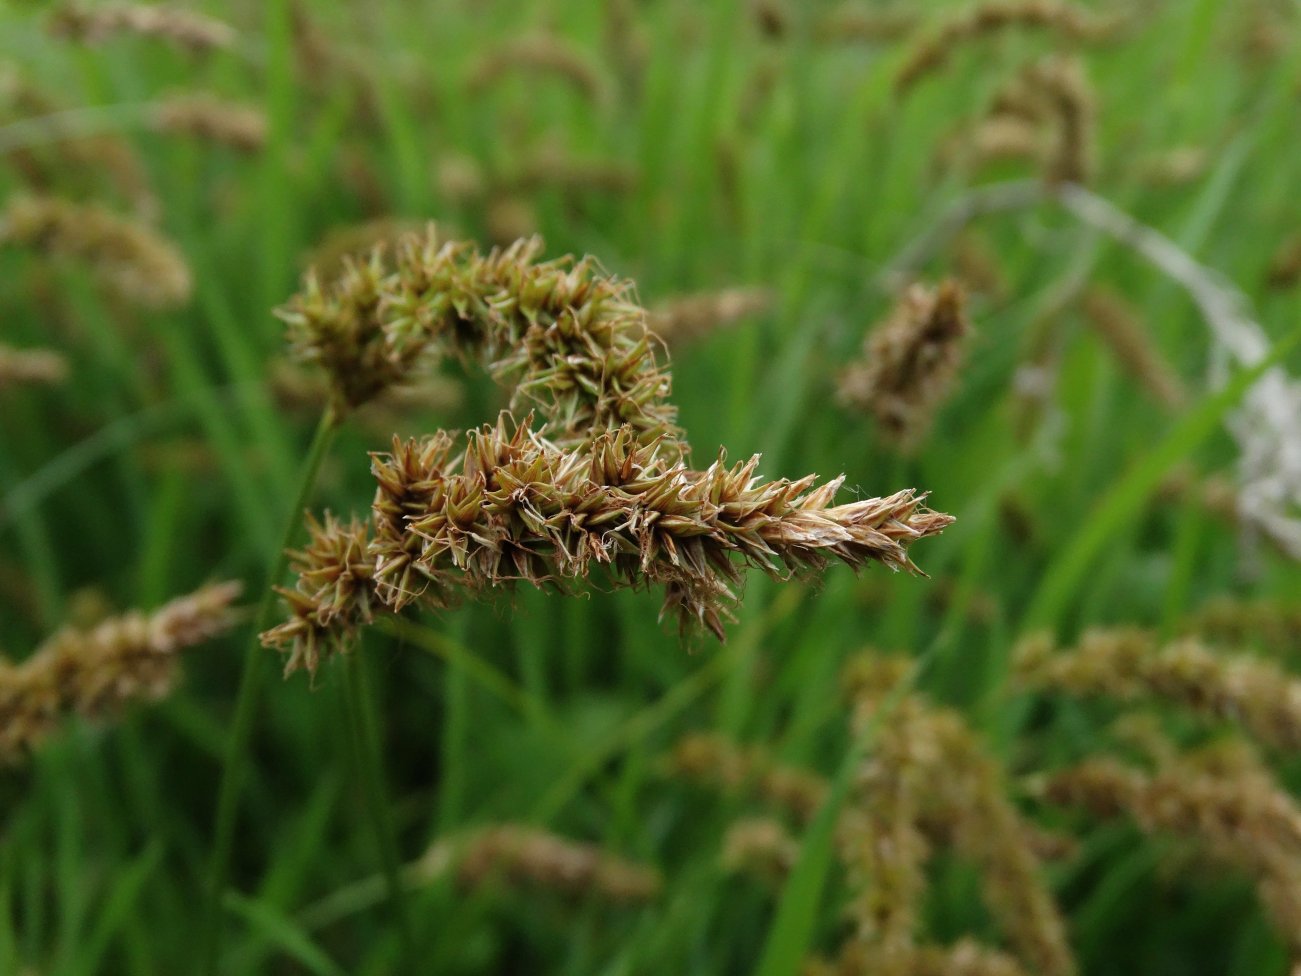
x=1267, y=425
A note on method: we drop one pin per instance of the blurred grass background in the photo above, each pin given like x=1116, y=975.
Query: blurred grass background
x=762, y=157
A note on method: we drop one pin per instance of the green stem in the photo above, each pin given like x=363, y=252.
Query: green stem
x=369, y=759
x=237, y=754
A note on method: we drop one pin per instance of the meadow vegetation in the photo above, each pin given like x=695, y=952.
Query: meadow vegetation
x=650, y=487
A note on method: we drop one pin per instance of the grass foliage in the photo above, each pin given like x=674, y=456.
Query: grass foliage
x=751, y=146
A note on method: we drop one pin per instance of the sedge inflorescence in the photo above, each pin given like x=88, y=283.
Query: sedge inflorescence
x=602, y=485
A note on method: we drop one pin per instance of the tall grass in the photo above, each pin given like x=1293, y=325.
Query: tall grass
x=752, y=152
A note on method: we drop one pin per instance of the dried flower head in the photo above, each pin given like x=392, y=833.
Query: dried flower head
x=94, y=673
x=191, y=31
x=130, y=258
x=211, y=119
x=1132, y=665
x=23, y=366
x=685, y=318
x=515, y=508
x=909, y=362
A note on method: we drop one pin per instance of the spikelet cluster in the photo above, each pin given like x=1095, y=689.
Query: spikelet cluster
x=27, y=366
x=205, y=117
x=714, y=761
x=540, y=55
x=570, y=340
x=130, y=258
x=1068, y=21
x=1044, y=114
x=685, y=318
x=512, y=507
x=854, y=22
x=1062, y=85
x=1117, y=324
x=909, y=363
x=553, y=169
x=72, y=162
x=965, y=957
x=761, y=847
x=1273, y=624
x=927, y=782
x=1223, y=798
x=523, y=856
x=188, y=30
x=1132, y=665
x=93, y=673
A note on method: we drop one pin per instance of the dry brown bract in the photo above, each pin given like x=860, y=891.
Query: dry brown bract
x=129, y=257
x=94, y=673
x=514, y=507
x=23, y=366
x=909, y=363
x=191, y=31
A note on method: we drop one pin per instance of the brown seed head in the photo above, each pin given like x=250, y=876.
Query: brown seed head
x=194, y=32
x=909, y=363
x=96, y=672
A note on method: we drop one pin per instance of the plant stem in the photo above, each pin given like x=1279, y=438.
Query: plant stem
x=369, y=758
x=237, y=757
